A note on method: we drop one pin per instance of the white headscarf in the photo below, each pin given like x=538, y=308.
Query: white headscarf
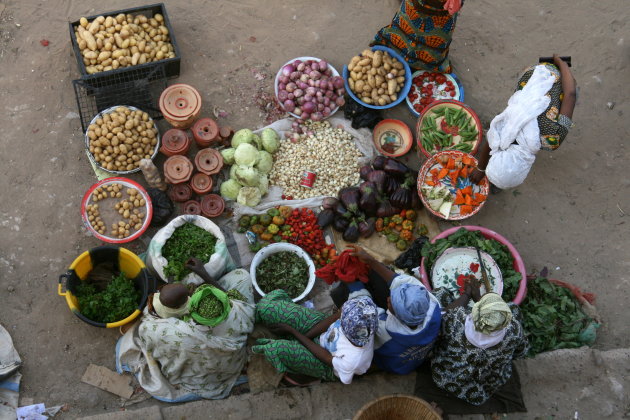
x=166, y=312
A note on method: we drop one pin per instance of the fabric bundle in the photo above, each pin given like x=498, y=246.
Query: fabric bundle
x=346, y=268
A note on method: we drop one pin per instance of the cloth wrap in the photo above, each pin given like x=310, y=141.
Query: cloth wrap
x=411, y=303
x=166, y=312
x=491, y=314
x=359, y=320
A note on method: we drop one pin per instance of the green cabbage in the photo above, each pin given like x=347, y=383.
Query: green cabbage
x=256, y=141
x=246, y=154
x=233, y=172
x=270, y=140
x=242, y=136
x=228, y=155
x=249, y=196
x=247, y=175
x=263, y=184
x=230, y=189
x=265, y=162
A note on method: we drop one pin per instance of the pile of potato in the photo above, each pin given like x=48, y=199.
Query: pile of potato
x=108, y=43
x=376, y=77
x=130, y=209
x=120, y=139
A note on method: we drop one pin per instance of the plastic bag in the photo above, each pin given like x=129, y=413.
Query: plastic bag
x=411, y=257
x=219, y=262
x=360, y=115
x=198, y=296
x=163, y=207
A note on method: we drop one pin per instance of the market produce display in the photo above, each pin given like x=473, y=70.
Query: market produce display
x=376, y=77
x=119, y=137
x=428, y=87
x=446, y=189
x=116, y=302
x=448, y=126
x=309, y=88
x=283, y=270
x=328, y=152
x=187, y=241
x=108, y=43
x=251, y=157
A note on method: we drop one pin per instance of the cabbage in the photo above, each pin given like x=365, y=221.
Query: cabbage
x=233, y=172
x=263, y=184
x=230, y=189
x=247, y=175
x=249, y=196
x=228, y=156
x=270, y=140
x=242, y=136
x=246, y=154
x=265, y=162
x=256, y=141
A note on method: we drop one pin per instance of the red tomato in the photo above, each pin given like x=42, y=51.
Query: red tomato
x=426, y=74
x=453, y=93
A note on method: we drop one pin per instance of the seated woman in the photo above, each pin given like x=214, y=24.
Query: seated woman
x=538, y=116
x=171, y=301
x=473, y=357
x=178, y=360
x=339, y=346
x=409, y=324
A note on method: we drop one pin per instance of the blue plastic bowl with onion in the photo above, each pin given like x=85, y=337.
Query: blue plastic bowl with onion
x=309, y=88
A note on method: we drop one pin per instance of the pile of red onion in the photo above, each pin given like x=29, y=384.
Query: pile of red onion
x=309, y=90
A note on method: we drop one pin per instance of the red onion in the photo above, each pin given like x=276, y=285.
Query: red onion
x=319, y=94
x=300, y=100
x=295, y=124
x=340, y=101
x=308, y=97
x=304, y=77
x=284, y=79
x=298, y=92
x=337, y=82
x=311, y=83
x=298, y=111
x=317, y=116
x=291, y=87
x=305, y=115
x=315, y=75
x=315, y=66
x=291, y=96
x=329, y=93
x=295, y=75
x=326, y=101
x=329, y=72
x=302, y=85
x=297, y=62
x=301, y=67
x=320, y=107
x=289, y=105
x=287, y=70
x=334, y=97
x=341, y=92
x=283, y=95
x=320, y=100
x=323, y=84
x=323, y=65
x=308, y=107
x=326, y=112
x=282, y=86
x=311, y=91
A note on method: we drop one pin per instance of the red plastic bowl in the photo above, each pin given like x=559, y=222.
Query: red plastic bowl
x=519, y=265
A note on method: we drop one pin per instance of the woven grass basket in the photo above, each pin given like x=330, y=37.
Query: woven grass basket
x=397, y=407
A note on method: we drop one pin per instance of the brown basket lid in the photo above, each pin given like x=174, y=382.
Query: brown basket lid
x=180, y=192
x=175, y=142
x=177, y=169
x=192, y=207
x=209, y=161
x=212, y=205
x=180, y=101
x=201, y=183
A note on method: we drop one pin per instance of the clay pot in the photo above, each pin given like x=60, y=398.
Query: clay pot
x=177, y=169
x=180, y=193
x=206, y=132
x=175, y=142
x=226, y=133
x=209, y=161
x=212, y=205
x=181, y=105
x=201, y=183
x=192, y=207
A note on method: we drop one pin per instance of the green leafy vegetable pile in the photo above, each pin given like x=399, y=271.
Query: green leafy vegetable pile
x=283, y=270
x=498, y=251
x=186, y=242
x=235, y=295
x=119, y=299
x=210, y=306
x=553, y=318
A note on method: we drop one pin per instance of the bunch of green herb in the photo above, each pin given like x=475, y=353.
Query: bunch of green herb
x=234, y=294
x=552, y=317
x=119, y=299
x=499, y=252
x=210, y=306
x=186, y=242
x=283, y=270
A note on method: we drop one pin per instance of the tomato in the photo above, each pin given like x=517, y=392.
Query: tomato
x=453, y=93
x=440, y=78
x=449, y=83
x=426, y=74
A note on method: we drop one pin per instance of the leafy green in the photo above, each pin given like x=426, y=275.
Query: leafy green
x=186, y=242
x=119, y=299
x=283, y=270
x=235, y=295
x=210, y=306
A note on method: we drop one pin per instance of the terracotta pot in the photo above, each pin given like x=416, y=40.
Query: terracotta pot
x=201, y=183
x=212, y=205
x=192, y=207
x=180, y=104
x=209, y=161
x=177, y=169
x=206, y=131
x=226, y=133
x=175, y=142
x=180, y=192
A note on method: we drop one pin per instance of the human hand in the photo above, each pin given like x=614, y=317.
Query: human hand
x=280, y=329
x=195, y=265
x=361, y=254
x=476, y=176
x=452, y=6
x=475, y=291
x=559, y=62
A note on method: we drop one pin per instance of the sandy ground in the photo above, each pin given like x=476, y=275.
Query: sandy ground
x=571, y=214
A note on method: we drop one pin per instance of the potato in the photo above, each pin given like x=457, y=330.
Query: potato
x=377, y=59
x=104, y=55
x=382, y=101
x=83, y=22
x=391, y=86
x=367, y=53
x=358, y=85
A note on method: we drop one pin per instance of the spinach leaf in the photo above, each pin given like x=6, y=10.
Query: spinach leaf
x=187, y=241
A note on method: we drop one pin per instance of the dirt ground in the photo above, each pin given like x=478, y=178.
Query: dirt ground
x=570, y=215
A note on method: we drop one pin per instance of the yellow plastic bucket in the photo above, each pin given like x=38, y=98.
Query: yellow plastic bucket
x=125, y=260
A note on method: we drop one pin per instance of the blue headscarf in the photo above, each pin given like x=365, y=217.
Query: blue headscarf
x=359, y=320
x=411, y=303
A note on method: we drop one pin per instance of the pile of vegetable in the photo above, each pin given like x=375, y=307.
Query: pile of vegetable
x=553, y=318
x=309, y=89
x=251, y=157
x=450, y=173
x=448, y=128
x=116, y=302
x=430, y=87
x=296, y=226
x=283, y=270
x=329, y=152
x=210, y=306
x=398, y=229
x=187, y=241
x=465, y=238
x=375, y=77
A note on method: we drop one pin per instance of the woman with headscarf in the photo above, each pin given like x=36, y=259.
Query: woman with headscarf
x=339, y=346
x=473, y=357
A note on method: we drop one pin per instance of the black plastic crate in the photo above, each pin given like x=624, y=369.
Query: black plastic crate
x=139, y=87
x=171, y=65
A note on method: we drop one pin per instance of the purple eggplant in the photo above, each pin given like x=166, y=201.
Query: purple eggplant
x=350, y=197
x=340, y=223
x=401, y=198
x=385, y=209
x=351, y=234
x=415, y=199
x=325, y=217
x=378, y=162
x=341, y=210
x=395, y=168
x=369, y=203
x=391, y=185
x=367, y=227
x=365, y=171
x=329, y=203
x=379, y=178
x=367, y=187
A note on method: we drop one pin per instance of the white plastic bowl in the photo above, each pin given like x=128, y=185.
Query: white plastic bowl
x=279, y=247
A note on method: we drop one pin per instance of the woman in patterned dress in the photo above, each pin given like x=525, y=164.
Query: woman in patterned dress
x=422, y=31
x=473, y=357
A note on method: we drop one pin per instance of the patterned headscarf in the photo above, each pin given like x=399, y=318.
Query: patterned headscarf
x=411, y=303
x=359, y=320
x=491, y=314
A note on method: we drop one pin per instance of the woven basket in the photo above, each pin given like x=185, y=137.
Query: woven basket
x=397, y=407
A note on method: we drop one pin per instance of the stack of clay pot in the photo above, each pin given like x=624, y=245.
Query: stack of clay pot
x=181, y=105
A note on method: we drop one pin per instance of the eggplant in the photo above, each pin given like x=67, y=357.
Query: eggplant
x=341, y=210
x=393, y=167
x=350, y=197
x=391, y=185
x=367, y=187
x=415, y=199
x=378, y=162
x=369, y=203
x=325, y=217
x=401, y=197
x=329, y=203
x=385, y=209
x=365, y=171
x=367, y=227
x=351, y=234
x=379, y=178
x=340, y=223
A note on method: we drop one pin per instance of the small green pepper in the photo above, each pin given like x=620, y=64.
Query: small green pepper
x=277, y=238
x=242, y=229
x=273, y=229
x=286, y=228
x=253, y=220
x=244, y=221
x=392, y=237
x=265, y=220
x=402, y=245
x=273, y=212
